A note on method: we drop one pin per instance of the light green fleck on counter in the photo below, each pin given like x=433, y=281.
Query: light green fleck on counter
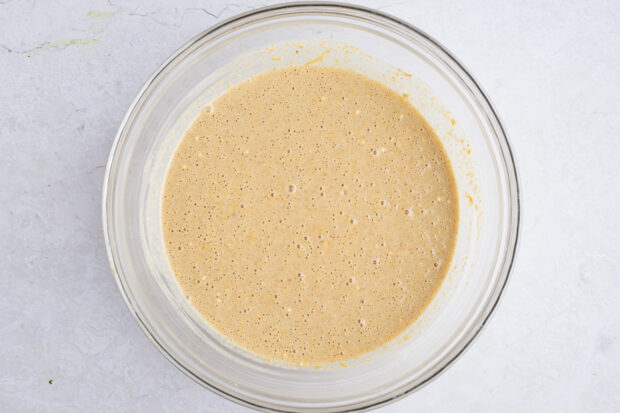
x=100, y=14
x=63, y=44
x=71, y=42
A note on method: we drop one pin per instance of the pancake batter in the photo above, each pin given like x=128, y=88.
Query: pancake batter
x=310, y=214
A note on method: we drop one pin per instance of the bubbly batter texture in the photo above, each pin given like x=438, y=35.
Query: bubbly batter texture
x=310, y=214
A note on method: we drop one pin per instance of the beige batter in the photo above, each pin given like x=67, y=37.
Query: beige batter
x=310, y=214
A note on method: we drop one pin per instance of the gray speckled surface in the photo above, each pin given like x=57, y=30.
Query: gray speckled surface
x=68, y=71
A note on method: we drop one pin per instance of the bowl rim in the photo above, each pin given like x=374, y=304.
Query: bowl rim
x=512, y=242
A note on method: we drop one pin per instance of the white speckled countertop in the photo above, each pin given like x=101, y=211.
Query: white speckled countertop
x=68, y=71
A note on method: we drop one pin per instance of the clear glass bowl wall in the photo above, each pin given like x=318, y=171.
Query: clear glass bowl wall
x=488, y=196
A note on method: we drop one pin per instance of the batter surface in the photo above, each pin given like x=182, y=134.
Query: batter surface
x=310, y=214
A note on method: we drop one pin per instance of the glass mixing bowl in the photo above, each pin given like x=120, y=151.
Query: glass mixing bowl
x=329, y=34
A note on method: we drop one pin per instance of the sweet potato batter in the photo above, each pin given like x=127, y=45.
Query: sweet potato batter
x=310, y=214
